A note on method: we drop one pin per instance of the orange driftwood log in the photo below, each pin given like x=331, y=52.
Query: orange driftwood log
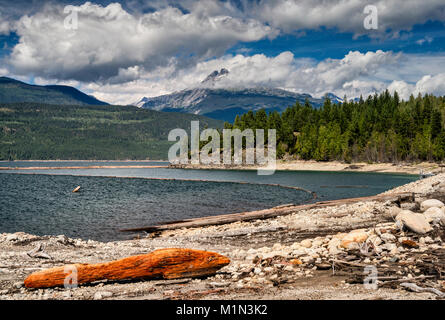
x=163, y=263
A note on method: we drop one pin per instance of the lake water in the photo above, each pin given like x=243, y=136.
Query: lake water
x=41, y=201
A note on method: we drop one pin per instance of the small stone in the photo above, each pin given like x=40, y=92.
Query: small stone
x=316, y=243
x=388, y=237
x=102, y=294
x=307, y=243
x=428, y=240
x=307, y=259
x=375, y=240
x=296, y=262
x=334, y=251
x=289, y=268
x=273, y=277
x=389, y=246
x=334, y=242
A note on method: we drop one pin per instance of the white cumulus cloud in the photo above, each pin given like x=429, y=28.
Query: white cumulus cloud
x=111, y=43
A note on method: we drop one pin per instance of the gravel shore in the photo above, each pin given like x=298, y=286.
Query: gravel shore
x=324, y=253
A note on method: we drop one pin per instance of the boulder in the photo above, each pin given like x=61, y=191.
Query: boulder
x=414, y=221
x=425, y=205
x=434, y=214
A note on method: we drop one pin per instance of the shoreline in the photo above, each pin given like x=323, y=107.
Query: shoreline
x=282, y=165
x=331, y=166
x=282, y=257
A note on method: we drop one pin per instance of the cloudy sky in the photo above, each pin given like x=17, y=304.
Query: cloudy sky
x=121, y=51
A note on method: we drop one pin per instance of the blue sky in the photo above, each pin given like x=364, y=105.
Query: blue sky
x=330, y=43
x=122, y=51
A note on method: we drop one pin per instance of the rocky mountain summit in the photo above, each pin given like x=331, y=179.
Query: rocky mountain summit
x=215, y=76
x=224, y=103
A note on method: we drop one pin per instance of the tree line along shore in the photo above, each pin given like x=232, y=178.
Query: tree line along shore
x=382, y=128
x=379, y=129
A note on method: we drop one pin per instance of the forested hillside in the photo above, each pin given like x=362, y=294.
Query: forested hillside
x=381, y=128
x=45, y=132
x=14, y=91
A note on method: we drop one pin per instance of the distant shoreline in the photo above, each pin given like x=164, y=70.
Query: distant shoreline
x=282, y=165
x=332, y=166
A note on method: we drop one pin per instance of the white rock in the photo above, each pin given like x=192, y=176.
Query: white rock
x=334, y=251
x=389, y=246
x=425, y=205
x=388, y=237
x=316, y=243
x=334, y=242
x=424, y=240
x=307, y=259
x=307, y=243
x=102, y=294
x=12, y=237
x=268, y=255
x=289, y=268
x=392, y=212
x=299, y=252
x=434, y=214
x=375, y=240
x=414, y=221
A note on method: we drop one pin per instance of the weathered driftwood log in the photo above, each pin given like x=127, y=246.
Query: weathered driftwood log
x=163, y=263
x=266, y=214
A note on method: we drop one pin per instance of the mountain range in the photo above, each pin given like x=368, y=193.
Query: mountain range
x=226, y=103
x=210, y=98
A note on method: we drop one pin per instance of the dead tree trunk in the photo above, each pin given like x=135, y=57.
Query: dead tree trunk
x=163, y=263
x=266, y=214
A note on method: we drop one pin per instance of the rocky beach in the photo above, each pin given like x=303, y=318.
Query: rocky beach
x=369, y=249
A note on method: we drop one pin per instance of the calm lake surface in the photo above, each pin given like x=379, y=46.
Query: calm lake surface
x=41, y=201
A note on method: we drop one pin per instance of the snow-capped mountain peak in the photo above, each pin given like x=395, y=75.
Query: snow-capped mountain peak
x=215, y=76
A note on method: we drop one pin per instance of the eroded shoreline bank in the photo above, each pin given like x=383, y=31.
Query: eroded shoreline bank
x=317, y=253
